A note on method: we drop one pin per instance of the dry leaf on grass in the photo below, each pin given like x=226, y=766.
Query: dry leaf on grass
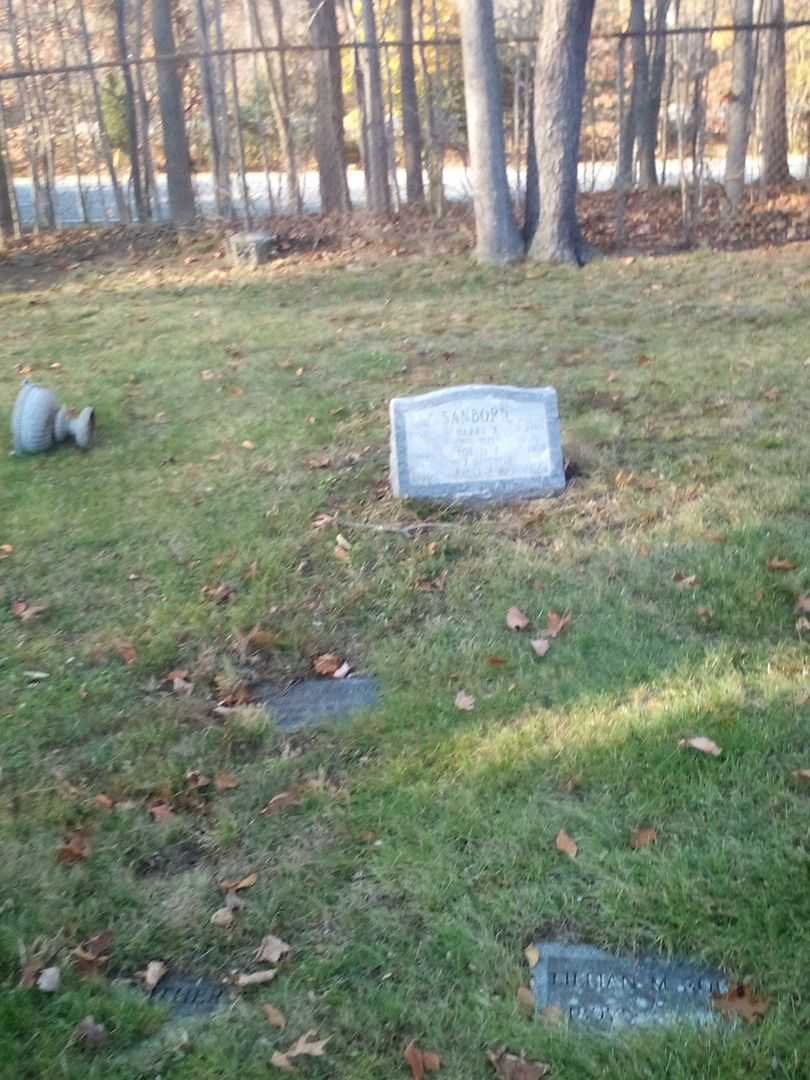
x=178, y=682
x=511, y=1067
x=74, y=848
x=436, y=585
x=223, y=918
x=740, y=1001
x=255, y=978
x=525, y=1000
x=275, y=1016
x=26, y=612
x=515, y=619
x=704, y=614
x=565, y=844
x=89, y=1034
x=420, y=1061
x=6, y=551
x=532, y=954
x=104, y=802
x=343, y=671
x=89, y=957
x=342, y=554
x=125, y=651
x=29, y=973
x=225, y=781
x=556, y=624
x=196, y=781
x=702, y=744
x=306, y=1046
x=155, y=970
x=284, y=800
x=464, y=701
x=803, y=604
x=162, y=813
x=781, y=564
x=271, y=950
x=323, y=521
x=642, y=838
x=237, y=884
x=248, y=445
x=218, y=594
x=49, y=979
x=540, y=646
x=496, y=661
x=801, y=776
x=552, y=1016
x=802, y=624
x=684, y=581
x=327, y=664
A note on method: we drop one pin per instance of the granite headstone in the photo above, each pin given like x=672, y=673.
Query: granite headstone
x=477, y=444
x=601, y=990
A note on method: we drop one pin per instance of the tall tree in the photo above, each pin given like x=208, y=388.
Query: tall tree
x=376, y=161
x=329, y=145
x=411, y=129
x=775, y=168
x=641, y=124
x=564, y=32
x=175, y=140
x=212, y=100
x=6, y=213
x=739, y=101
x=497, y=236
x=131, y=115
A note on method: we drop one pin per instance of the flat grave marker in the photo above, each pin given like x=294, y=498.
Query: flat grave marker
x=477, y=444
x=602, y=990
x=314, y=702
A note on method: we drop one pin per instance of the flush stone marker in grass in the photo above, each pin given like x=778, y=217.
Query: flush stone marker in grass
x=598, y=989
x=477, y=444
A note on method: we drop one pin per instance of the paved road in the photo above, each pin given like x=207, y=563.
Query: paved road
x=101, y=207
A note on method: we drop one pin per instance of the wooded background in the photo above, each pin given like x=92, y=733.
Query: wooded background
x=260, y=107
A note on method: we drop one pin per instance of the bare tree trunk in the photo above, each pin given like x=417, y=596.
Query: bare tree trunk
x=106, y=150
x=497, y=236
x=222, y=199
x=293, y=187
x=739, y=104
x=6, y=213
x=411, y=128
x=132, y=120
x=46, y=142
x=379, y=194
x=645, y=131
x=658, y=65
x=72, y=115
x=221, y=107
x=564, y=33
x=175, y=140
x=9, y=210
x=774, y=128
x=329, y=146
x=240, y=144
x=150, y=188
x=31, y=136
x=435, y=154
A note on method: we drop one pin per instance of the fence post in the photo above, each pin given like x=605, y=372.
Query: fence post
x=620, y=61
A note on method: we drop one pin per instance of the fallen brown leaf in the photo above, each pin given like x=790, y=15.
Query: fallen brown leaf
x=74, y=848
x=104, y=802
x=565, y=844
x=342, y=554
x=89, y=1034
x=238, y=884
x=803, y=604
x=178, y=682
x=436, y=584
x=318, y=461
x=218, y=594
x=255, y=978
x=6, y=551
x=89, y=957
x=125, y=650
x=26, y=612
x=306, y=1045
x=704, y=614
x=515, y=619
x=327, y=664
x=540, y=646
x=801, y=776
x=464, y=701
x=552, y=1015
x=532, y=954
x=271, y=950
x=225, y=781
x=343, y=671
x=802, y=624
x=556, y=624
x=323, y=521
x=781, y=564
x=525, y=1000
x=511, y=1067
x=496, y=661
x=702, y=744
x=162, y=813
x=275, y=1016
x=196, y=781
x=740, y=1001
x=248, y=445
x=284, y=800
x=642, y=838
x=685, y=581
x=420, y=1061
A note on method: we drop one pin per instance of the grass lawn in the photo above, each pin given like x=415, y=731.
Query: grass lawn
x=234, y=409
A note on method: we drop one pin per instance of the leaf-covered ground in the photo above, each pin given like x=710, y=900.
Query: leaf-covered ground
x=213, y=535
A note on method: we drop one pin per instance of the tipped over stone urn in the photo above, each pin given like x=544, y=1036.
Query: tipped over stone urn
x=40, y=422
